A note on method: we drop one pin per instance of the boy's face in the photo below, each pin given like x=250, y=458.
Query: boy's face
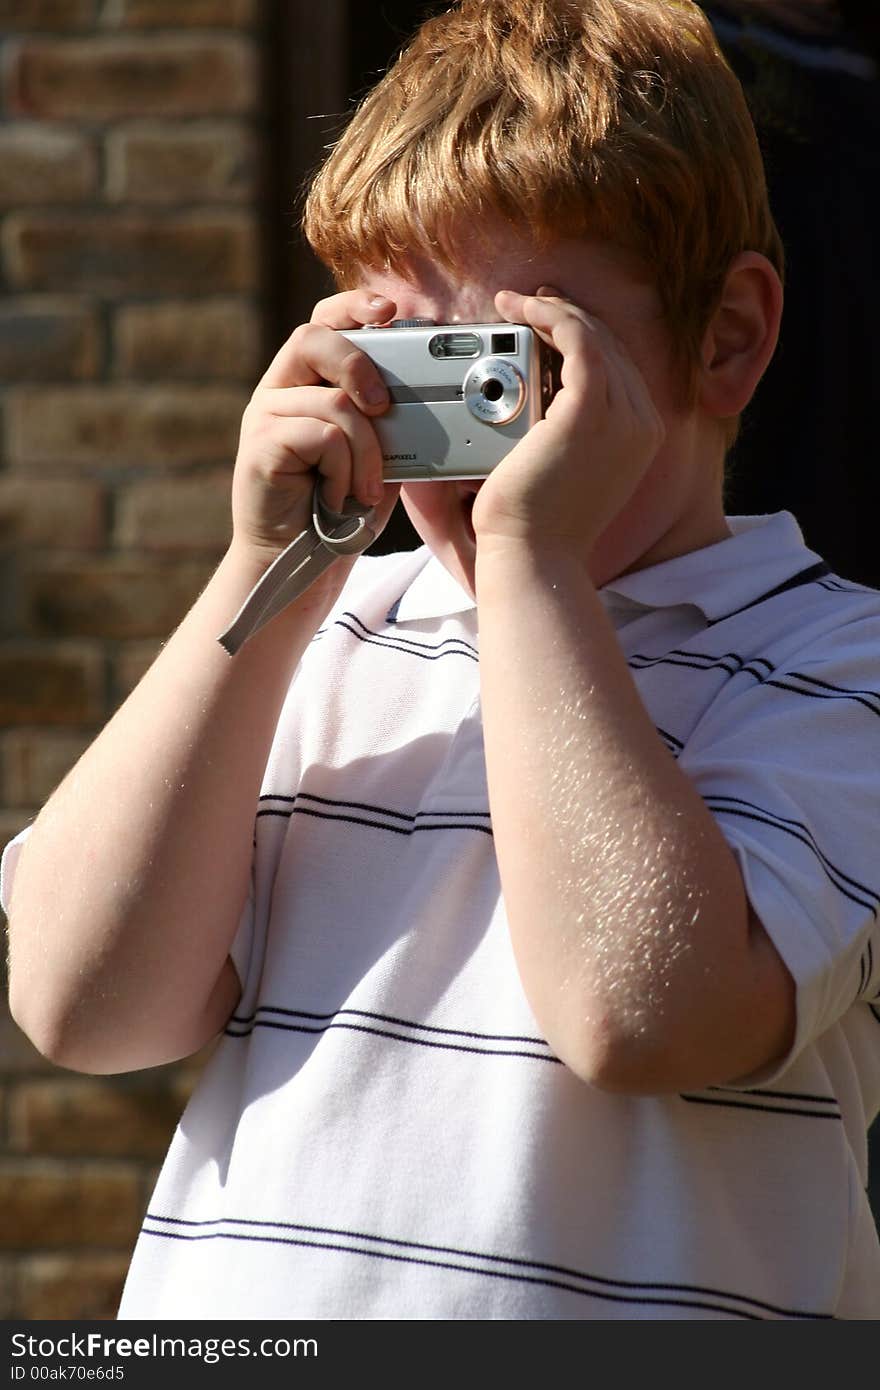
x=677, y=507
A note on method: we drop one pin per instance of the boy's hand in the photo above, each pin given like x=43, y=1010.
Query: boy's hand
x=311, y=415
x=574, y=471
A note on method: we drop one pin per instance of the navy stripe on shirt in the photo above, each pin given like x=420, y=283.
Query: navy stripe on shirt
x=409, y=646
x=478, y=1262
x=860, y=893
x=473, y=1042
x=392, y=1029
x=376, y=817
x=735, y=665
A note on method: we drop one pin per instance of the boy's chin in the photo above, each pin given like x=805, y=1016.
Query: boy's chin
x=441, y=515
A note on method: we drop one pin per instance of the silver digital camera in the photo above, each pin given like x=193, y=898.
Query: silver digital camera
x=462, y=395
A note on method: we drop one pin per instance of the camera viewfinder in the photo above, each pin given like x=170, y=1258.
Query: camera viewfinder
x=504, y=342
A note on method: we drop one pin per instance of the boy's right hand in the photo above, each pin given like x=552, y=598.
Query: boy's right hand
x=309, y=417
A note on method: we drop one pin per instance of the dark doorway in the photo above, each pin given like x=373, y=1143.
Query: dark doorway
x=322, y=59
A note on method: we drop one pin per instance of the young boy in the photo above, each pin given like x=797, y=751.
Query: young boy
x=548, y=979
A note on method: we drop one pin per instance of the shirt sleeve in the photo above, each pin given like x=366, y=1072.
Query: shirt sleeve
x=8, y=866
x=788, y=762
x=242, y=948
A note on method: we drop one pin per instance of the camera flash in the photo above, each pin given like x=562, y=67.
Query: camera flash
x=455, y=345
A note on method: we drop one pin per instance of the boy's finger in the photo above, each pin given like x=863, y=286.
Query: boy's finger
x=336, y=408
x=315, y=354
x=546, y=316
x=314, y=444
x=591, y=353
x=512, y=304
x=353, y=309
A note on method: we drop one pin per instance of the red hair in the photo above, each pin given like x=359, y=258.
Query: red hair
x=619, y=120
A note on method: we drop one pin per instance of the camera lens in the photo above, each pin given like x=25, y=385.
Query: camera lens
x=494, y=390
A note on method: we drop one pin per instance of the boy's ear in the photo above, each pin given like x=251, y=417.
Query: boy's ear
x=742, y=334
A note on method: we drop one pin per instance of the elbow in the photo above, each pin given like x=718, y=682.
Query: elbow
x=108, y=1034
x=617, y=1055
x=629, y=1070
x=42, y=1028
x=56, y=1025
x=49, y=1027
x=32, y=1006
x=62, y=1039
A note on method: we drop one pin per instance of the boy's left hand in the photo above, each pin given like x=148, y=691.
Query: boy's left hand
x=574, y=471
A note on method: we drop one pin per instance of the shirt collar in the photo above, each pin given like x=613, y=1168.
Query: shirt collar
x=761, y=553
x=431, y=593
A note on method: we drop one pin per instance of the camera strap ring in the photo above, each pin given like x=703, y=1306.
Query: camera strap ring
x=330, y=535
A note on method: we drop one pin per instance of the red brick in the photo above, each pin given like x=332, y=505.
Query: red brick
x=129, y=665
x=109, y=78
x=21, y=15
x=84, y=1287
x=123, y=426
x=56, y=685
x=34, y=761
x=46, y=338
x=42, y=165
x=8, y=1288
x=182, y=514
x=219, y=338
x=107, y=1118
x=20, y=1057
x=48, y=1203
x=12, y=820
x=166, y=14
x=57, y=512
x=110, y=253
x=112, y=597
x=201, y=162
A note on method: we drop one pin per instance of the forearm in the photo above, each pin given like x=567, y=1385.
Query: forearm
x=627, y=912
x=129, y=890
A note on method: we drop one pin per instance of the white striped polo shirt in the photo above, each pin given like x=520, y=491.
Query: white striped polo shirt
x=382, y=1132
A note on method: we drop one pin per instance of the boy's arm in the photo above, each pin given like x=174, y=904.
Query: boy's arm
x=637, y=948
x=130, y=887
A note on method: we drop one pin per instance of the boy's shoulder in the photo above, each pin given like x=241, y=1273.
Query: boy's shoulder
x=755, y=632
x=762, y=578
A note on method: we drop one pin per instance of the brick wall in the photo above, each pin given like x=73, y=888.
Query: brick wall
x=131, y=332
x=132, y=327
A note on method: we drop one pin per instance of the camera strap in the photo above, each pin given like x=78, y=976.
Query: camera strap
x=330, y=535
